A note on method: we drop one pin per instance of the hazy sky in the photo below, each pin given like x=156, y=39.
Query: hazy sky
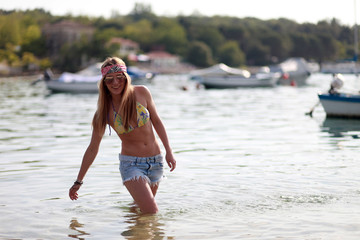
x=300, y=11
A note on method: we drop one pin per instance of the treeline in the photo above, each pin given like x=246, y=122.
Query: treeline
x=199, y=40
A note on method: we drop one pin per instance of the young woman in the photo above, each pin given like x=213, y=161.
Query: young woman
x=130, y=111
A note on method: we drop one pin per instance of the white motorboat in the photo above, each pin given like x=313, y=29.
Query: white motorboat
x=341, y=105
x=86, y=81
x=337, y=104
x=223, y=76
x=295, y=71
x=72, y=87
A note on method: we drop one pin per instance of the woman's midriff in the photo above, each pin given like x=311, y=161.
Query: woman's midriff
x=140, y=143
x=140, y=149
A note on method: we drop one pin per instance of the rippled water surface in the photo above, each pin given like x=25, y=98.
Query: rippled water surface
x=251, y=165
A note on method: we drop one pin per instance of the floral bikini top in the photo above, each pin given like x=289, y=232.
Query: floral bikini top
x=143, y=117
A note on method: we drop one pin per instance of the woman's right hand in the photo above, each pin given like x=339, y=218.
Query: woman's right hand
x=73, y=191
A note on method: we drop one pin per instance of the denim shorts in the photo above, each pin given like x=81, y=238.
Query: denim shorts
x=149, y=168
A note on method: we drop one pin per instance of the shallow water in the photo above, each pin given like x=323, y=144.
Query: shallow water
x=251, y=165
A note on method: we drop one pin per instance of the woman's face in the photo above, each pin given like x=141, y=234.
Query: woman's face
x=115, y=82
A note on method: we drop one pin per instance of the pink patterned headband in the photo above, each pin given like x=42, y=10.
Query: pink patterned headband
x=113, y=69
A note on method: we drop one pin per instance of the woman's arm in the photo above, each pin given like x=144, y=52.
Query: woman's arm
x=160, y=130
x=88, y=159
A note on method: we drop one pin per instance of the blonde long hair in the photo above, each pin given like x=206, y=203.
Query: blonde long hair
x=127, y=109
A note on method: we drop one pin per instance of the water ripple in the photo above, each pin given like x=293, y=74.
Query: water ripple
x=251, y=165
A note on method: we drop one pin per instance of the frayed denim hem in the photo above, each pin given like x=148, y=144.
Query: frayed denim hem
x=155, y=183
x=142, y=177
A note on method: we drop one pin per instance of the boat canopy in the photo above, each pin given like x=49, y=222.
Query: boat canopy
x=221, y=70
x=294, y=65
x=74, y=77
x=92, y=70
x=90, y=74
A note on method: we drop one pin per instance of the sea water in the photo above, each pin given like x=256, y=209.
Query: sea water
x=251, y=165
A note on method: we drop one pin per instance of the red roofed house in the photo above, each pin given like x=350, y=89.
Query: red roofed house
x=127, y=46
x=162, y=59
x=65, y=32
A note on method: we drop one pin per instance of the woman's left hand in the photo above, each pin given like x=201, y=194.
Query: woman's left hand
x=170, y=161
x=73, y=191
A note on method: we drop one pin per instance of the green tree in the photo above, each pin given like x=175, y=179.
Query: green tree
x=211, y=36
x=279, y=45
x=170, y=34
x=258, y=54
x=70, y=58
x=235, y=32
x=231, y=54
x=314, y=48
x=199, y=54
x=8, y=54
x=74, y=57
x=300, y=45
x=142, y=11
x=259, y=40
x=9, y=30
x=28, y=59
x=328, y=47
x=45, y=63
x=32, y=32
x=106, y=34
x=33, y=41
x=98, y=48
x=141, y=32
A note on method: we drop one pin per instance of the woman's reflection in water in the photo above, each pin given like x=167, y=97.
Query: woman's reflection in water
x=143, y=226
x=139, y=226
x=75, y=225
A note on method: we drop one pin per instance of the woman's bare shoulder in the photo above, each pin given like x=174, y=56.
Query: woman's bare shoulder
x=141, y=90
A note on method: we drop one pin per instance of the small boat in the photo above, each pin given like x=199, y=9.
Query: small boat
x=223, y=76
x=86, y=80
x=57, y=86
x=338, y=104
x=295, y=71
x=341, y=105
